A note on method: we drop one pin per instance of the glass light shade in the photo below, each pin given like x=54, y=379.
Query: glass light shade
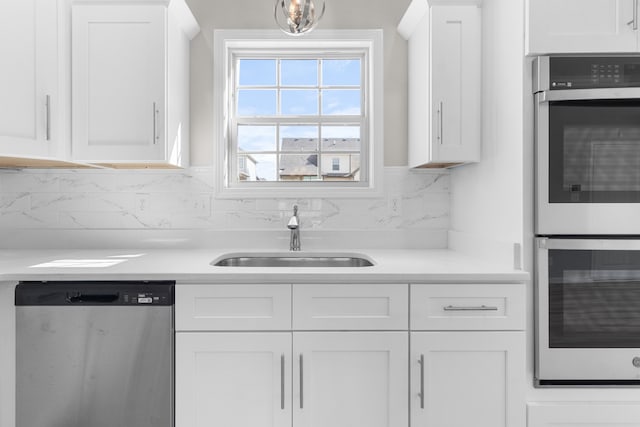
x=297, y=17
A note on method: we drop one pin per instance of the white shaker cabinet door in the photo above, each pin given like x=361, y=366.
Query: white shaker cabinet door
x=574, y=26
x=455, y=83
x=29, y=85
x=233, y=379
x=462, y=379
x=347, y=379
x=118, y=89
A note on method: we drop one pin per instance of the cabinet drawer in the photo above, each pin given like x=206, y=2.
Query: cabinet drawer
x=468, y=307
x=353, y=307
x=233, y=307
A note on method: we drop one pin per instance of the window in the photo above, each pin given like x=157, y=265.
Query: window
x=298, y=115
x=291, y=112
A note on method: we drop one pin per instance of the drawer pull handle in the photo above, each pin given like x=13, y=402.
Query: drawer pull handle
x=470, y=308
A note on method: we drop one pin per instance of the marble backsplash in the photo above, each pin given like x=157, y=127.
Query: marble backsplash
x=41, y=202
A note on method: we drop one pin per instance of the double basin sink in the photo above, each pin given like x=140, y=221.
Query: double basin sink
x=292, y=259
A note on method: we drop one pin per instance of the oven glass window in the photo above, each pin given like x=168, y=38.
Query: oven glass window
x=594, y=299
x=594, y=151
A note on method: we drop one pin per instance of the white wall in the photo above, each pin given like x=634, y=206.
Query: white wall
x=258, y=14
x=486, y=198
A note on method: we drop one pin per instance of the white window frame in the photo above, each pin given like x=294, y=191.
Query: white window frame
x=228, y=42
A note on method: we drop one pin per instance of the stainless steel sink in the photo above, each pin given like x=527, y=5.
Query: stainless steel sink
x=292, y=259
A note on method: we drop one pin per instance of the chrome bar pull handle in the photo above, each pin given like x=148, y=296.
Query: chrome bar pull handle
x=470, y=308
x=421, y=394
x=301, y=383
x=156, y=134
x=441, y=123
x=47, y=103
x=282, y=381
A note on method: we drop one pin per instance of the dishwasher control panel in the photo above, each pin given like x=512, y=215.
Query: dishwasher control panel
x=111, y=293
x=147, y=298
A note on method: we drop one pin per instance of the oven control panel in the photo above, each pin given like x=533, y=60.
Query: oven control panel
x=587, y=72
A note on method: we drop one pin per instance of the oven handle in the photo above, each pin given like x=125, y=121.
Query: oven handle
x=544, y=243
x=585, y=94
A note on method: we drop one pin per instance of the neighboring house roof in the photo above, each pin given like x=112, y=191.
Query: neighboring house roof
x=341, y=144
x=328, y=144
x=299, y=144
x=307, y=164
x=299, y=164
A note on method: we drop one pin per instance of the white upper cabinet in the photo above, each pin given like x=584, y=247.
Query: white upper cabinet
x=444, y=82
x=130, y=83
x=576, y=26
x=29, y=104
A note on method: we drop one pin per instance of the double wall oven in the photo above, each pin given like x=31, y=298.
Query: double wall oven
x=587, y=220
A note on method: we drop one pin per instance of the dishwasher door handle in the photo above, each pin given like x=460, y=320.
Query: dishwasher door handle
x=99, y=298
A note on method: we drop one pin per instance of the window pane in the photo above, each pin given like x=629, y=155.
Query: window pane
x=302, y=72
x=341, y=167
x=299, y=138
x=265, y=165
x=341, y=102
x=341, y=144
x=341, y=72
x=341, y=138
x=299, y=102
x=257, y=72
x=257, y=138
x=298, y=167
x=256, y=102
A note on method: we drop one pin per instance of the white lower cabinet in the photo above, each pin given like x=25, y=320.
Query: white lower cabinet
x=346, y=355
x=467, y=355
x=241, y=361
x=347, y=379
x=461, y=379
x=233, y=379
x=592, y=414
x=340, y=379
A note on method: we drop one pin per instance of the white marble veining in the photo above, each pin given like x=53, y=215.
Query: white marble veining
x=125, y=200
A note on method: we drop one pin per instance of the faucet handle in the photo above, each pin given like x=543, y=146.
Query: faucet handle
x=293, y=221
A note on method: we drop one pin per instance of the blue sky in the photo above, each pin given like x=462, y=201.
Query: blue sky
x=297, y=73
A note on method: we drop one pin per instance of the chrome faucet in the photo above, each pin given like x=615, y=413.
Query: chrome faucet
x=294, y=226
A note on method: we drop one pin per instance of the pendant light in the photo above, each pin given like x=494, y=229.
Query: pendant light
x=297, y=17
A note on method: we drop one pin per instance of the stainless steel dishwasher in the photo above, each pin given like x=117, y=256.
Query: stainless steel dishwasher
x=94, y=354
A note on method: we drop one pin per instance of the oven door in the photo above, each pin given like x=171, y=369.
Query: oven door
x=588, y=311
x=588, y=162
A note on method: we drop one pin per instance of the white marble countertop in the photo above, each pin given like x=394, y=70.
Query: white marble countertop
x=193, y=266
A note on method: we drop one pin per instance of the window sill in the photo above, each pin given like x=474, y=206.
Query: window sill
x=290, y=192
